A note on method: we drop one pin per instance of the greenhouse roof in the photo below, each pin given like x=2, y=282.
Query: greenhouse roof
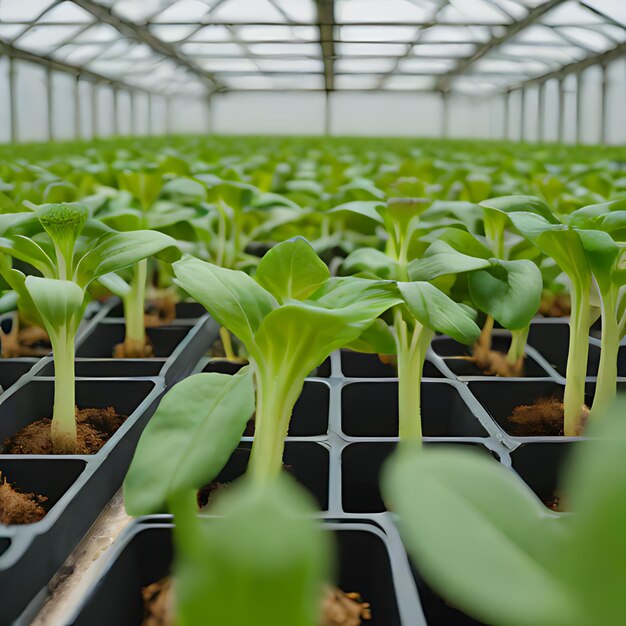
x=195, y=46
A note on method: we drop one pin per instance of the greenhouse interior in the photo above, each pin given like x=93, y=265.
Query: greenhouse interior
x=312, y=312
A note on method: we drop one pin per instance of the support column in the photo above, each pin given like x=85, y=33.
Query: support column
x=13, y=100
x=115, y=113
x=49, y=104
x=445, y=114
x=541, y=113
x=507, y=105
x=78, y=134
x=522, y=115
x=579, y=108
x=133, y=112
x=561, y=120
x=95, y=113
x=604, y=103
x=168, y=115
x=150, y=124
x=328, y=122
x=209, y=113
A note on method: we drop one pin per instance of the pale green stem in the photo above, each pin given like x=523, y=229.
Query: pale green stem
x=184, y=507
x=411, y=358
x=518, y=345
x=63, y=427
x=606, y=385
x=228, y=344
x=276, y=394
x=134, y=304
x=576, y=371
x=484, y=339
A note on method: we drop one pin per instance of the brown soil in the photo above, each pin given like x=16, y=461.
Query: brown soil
x=339, y=608
x=159, y=311
x=158, y=605
x=552, y=305
x=343, y=609
x=204, y=495
x=542, y=418
x=18, y=507
x=494, y=363
x=217, y=350
x=133, y=351
x=29, y=341
x=555, y=503
x=95, y=428
x=389, y=359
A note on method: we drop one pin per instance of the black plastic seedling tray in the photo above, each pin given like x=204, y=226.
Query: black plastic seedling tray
x=178, y=348
x=78, y=486
x=143, y=555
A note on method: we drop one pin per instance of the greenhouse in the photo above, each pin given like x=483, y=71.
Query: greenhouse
x=312, y=312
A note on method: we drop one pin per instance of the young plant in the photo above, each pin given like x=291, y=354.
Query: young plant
x=143, y=189
x=70, y=254
x=466, y=520
x=290, y=317
x=262, y=558
x=425, y=310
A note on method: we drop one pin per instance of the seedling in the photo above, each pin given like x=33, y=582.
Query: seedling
x=71, y=253
x=290, y=317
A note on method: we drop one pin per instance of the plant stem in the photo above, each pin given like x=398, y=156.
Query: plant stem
x=63, y=427
x=410, y=367
x=484, y=340
x=134, y=304
x=576, y=370
x=606, y=385
x=518, y=345
x=277, y=390
x=184, y=507
x=228, y=344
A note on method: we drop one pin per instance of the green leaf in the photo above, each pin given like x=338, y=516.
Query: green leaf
x=234, y=299
x=517, y=204
x=348, y=291
x=114, y=251
x=509, y=291
x=115, y=284
x=375, y=339
x=465, y=521
x=262, y=559
x=27, y=250
x=602, y=253
x=465, y=242
x=440, y=259
x=189, y=439
x=145, y=186
x=57, y=301
x=370, y=260
x=365, y=208
x=291, y=270
x=435, y=310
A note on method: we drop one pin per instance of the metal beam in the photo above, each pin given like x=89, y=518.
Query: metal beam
x=144, y=35
x=511, y=30
x=77, y=110
x=13, y=99
x=561, y=120
x=14, y=52
x=578, y=66
x=604, y=104
x=580, y=83
x=326, y=27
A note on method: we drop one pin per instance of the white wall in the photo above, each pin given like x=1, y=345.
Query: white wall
x=257, y=113
x=470, y=117
x=616, y=113
x=32, y=107
x=63, y=106
x=85, y=90
x=188, y=115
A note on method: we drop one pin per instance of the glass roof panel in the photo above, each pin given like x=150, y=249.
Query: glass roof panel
x=247, y=11
x=11, y=31
x=183, y=11
x=444, y=50
x=97, y=32
x=277, y=33
x=571, y=12
x=614, y=9
x=455, y=34
x=212, y=49
x=285, y=49
x=212, y=33
x=413, y=83
x=365, y=66
x=586, y=37
x=297, y=10
x=173, y=32
x=66, y=12
x=228, y=65
x=79, y=55
x=356, y=81
x=381, y=34
x=375, y=11
x=371, y=49
x=415, y=65
x=290, y=65
x=43, y=39
x=23, y=11
x=473, y=11
x=139, y=10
